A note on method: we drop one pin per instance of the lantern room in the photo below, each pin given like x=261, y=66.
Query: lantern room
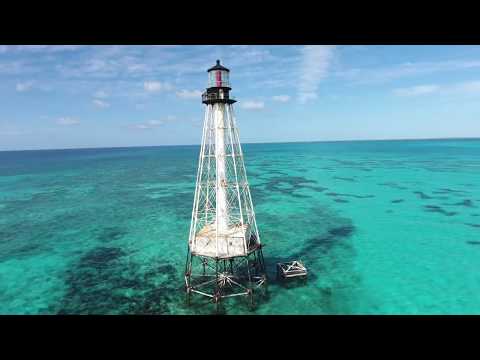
x=218, y=89
x=218, y=76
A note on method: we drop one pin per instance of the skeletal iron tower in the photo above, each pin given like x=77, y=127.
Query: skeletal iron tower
x=224, y=251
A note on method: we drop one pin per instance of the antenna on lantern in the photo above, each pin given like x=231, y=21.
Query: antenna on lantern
x=225, y=256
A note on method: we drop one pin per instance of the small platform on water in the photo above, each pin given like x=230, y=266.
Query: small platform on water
x=292, y=269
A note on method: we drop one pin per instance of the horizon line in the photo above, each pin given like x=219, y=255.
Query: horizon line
x=246, y=143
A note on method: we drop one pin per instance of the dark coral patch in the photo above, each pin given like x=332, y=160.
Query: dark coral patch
x=473, y=242
x=317, y=188
x=422, y=195
x=346, y=162
x=334, y=194
x=102, y=282
x=289, y=184
x=100, y=257
x=341, y=201
x=344, y=178
x=278, y=172
x=466, y=203
x=111, y=234
x=438, y=209
x=342, y=231
x=397, y=201
x=473, y=225
x=300, y=196
x=393, y=185
x=448, y=191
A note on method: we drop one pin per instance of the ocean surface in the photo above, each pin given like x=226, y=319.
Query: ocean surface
x=384, y=227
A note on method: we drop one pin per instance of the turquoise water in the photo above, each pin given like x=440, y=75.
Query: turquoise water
x=385, y=227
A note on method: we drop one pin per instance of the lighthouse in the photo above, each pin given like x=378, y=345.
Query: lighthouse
x=225, y=256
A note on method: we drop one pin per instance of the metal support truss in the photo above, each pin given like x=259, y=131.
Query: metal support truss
x=225, y=256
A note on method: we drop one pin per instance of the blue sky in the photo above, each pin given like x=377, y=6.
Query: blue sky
x=75, y=96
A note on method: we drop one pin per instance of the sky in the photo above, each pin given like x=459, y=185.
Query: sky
x=77, y=96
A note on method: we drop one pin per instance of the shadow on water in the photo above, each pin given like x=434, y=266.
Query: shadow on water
x=329, y=257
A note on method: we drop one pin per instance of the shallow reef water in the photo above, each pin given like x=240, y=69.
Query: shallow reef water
x=384, y=227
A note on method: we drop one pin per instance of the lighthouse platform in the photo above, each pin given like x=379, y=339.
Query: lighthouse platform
x=227, y=244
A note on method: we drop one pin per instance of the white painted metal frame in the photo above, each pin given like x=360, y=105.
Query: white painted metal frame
x=222, y=201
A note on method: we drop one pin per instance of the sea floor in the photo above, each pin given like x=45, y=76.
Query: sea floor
x=384, y=227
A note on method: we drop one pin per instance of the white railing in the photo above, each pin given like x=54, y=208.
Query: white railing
x=213, y=96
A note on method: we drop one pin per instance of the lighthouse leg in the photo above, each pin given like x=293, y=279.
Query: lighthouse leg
x=251, y=301
x=188, y=295
x=188, y=278
x=217, y=293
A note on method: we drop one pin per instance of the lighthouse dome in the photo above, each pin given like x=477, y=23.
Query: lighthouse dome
x=218, y=67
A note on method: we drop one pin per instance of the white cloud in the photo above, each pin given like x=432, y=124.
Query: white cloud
x=471, y=87
x=11, y=132
x=67, y=121
x=416, y=90
x=252, y=105
x=101, y=104
x=248, y=55
x=314, y=68
x=13, y=68
x=25, y=86
x=39, y=48
x=137, y=68
x=47, y=48
x=155, y=86
x=409, y=69
x=155, y=122
x=151, y=124
x=281, y=98
x=100, y=94
x=462, y=88
x=189, y=94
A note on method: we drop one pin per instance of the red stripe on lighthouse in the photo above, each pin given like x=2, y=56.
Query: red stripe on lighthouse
x=219, y=78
